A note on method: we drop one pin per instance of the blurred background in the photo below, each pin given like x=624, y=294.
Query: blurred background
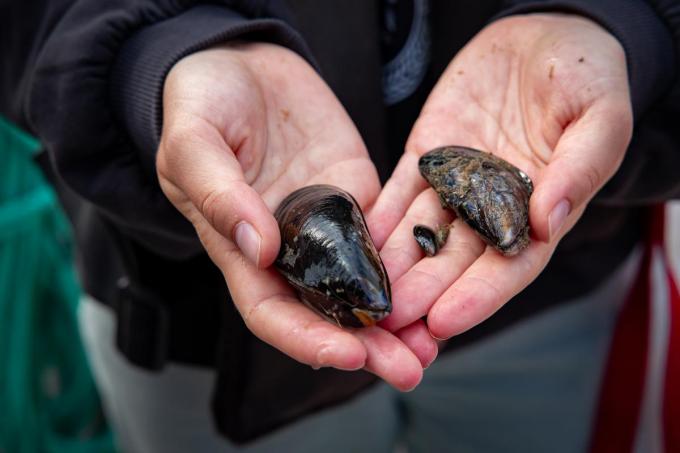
x=673, y=235
x=48, y=400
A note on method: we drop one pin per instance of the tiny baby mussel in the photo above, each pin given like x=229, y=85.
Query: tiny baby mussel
x=429, y=240
x=328, y=256
x=488, y=193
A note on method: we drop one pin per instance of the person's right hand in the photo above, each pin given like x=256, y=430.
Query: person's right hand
x=549, y=93
x=243, y=126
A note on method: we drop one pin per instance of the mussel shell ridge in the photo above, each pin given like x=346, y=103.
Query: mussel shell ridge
x=328, y=256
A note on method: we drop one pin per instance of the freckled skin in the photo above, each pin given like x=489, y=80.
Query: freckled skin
x=329, y=257
x=488, y=193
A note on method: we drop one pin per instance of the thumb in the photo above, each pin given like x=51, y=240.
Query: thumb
x=587, y=154
x=208, y=186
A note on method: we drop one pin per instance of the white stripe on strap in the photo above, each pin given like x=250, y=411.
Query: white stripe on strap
x=650, y=438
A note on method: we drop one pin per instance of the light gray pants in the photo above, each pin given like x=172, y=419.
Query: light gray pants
x=531, y=388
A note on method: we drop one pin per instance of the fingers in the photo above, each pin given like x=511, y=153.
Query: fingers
x=418, y=339
x=484, y=287
x=200, y=165
x=276, y=316
x=390, y=359
x=273, y=313
x=418, y=289
x=294, y=329
x=418, y=282
x=399, y=191
x=279, y=319
x=401, y=251
x=586, y=156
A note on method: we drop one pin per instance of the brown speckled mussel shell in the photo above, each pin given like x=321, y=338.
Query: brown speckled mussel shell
x=488, y=193
x=329, y=257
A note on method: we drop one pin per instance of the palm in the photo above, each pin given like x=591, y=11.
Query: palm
x=487, y=113
x=523, y=91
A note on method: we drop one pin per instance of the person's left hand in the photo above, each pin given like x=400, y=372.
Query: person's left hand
x=548, y=93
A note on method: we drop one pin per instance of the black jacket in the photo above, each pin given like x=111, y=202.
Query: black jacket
x=86, y=77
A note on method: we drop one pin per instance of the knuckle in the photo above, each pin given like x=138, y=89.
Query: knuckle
x=253, y=314
x=399, y=256
x=173, y=150
x=430, y=277
x=593, y=178
x=235, y=257
x=177, y=138
x=484, y=289
x=214, y=205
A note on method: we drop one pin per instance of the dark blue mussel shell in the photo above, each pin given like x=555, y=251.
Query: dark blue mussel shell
x=488, y=193
x=329, y=257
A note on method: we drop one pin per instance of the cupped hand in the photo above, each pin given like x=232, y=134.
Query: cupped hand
x=243, y=126
x=548, y=93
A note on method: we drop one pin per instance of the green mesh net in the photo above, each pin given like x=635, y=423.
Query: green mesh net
x=48, y=401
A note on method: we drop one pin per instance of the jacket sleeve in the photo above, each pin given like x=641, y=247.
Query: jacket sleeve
x=649, y=32
x=86, y=77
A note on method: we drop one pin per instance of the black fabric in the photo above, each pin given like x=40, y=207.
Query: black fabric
x=143, y=326
x=85, y=76
x=345, y=40
x=396, y=17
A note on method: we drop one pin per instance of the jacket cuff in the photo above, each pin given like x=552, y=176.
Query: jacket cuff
x=646, y=40
x=146, y=58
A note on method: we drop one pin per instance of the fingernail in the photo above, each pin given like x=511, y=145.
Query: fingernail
x=436, y=337
x=349, y=368
x=557, y=217
x=427, y=364
x=248, y=241
x=410, y=389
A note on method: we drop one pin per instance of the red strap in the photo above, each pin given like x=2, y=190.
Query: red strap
x=623, y=384
x=622, y=390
